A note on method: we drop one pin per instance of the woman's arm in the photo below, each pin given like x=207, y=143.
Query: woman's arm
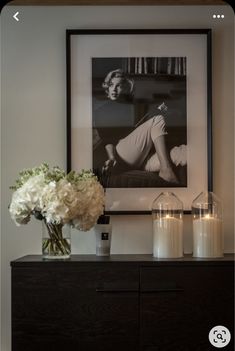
x=111, y=162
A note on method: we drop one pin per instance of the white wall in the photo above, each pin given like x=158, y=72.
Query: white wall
x=34, y=115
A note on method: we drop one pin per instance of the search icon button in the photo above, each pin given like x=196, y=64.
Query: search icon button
x=219, y=336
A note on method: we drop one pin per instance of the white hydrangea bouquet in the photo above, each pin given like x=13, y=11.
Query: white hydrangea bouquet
x=58, y=199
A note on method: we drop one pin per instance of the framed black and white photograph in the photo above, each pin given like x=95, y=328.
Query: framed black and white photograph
x=139, y=113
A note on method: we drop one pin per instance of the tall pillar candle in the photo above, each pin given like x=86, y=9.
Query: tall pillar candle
x=168, y=237
x=207, y=237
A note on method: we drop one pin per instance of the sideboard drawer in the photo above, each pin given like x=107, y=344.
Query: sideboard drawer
x=90, y=307
x=181, y=303
x=162, y=279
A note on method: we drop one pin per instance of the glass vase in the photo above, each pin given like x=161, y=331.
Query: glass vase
x=167, y=215
x=56, y=241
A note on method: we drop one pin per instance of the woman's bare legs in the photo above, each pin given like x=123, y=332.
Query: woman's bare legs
x=178, y=156
x=166, y=171
x=135, y=148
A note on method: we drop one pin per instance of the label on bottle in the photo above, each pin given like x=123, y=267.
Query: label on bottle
x=104, y=236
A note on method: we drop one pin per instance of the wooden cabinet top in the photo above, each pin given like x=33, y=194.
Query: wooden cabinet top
x=34, y=260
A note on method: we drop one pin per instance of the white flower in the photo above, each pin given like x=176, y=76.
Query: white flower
x=60, y=201
x=26, y=199
x=92, y=204
x=69, y=196
x=19, y=212
x=77, y=198
x=50, y=203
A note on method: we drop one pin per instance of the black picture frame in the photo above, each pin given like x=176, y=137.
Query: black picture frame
x=78, y=42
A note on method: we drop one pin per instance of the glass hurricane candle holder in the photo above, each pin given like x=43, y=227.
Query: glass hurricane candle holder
x=167, y=215
x=207, y=225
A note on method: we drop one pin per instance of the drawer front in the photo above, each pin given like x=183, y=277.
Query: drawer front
x=90, y=307
x=179, y=306
x=162, y=279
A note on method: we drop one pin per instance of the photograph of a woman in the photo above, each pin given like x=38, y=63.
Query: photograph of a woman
x=139, y=121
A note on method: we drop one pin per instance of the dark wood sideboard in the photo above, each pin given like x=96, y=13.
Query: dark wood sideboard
x=123, y=302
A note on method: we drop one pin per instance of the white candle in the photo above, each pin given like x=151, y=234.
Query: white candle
x=168, y=237
x=207, y=237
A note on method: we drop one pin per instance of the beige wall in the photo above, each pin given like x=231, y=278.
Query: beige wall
x=34, y=116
